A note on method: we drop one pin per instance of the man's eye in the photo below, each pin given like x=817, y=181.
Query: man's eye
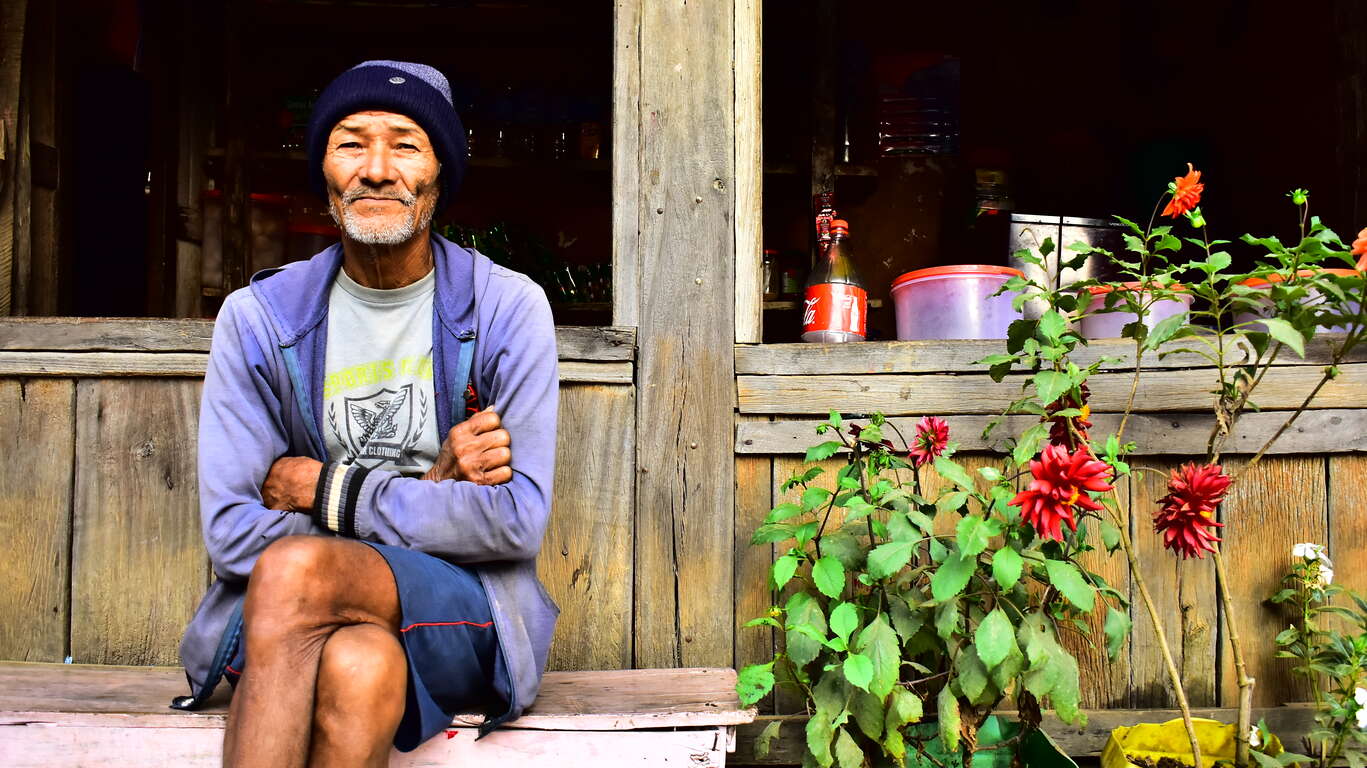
x=407, y=146
x=349, y=145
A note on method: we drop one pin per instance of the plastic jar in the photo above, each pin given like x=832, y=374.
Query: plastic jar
x=954, y=302
x=1110, y=325
x=1312, y=296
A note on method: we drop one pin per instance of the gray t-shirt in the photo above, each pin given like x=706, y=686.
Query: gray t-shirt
x=377, y=386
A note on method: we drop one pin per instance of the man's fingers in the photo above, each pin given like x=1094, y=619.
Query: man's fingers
x=496, y=457
x=486, y=420
x=496, y=476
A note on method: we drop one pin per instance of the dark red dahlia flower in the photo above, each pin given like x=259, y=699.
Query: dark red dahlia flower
x=1061, y=482
x=1186, y=515
x=932, y=436
x=1059, y=433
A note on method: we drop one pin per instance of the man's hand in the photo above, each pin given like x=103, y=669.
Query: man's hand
x=476, y=450
x=291, y=483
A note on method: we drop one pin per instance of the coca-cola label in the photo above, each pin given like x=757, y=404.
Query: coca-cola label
x=835, y=307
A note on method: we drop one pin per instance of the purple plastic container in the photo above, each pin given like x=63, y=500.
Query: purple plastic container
x=1109, y=325
x=953, y=302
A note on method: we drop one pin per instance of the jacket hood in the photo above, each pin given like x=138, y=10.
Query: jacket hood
x=295, y=305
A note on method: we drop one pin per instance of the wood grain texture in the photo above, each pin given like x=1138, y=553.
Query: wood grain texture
x=1177, y=390
x=754, y=499
x=36, y=437
x=961, y=356
x=749, y=215
x=585, y=558
x=11, y=60
x=21, y=190
x=40, y=112
x=1183, y=434
x=627, y=203
x=1184, y=594
x=1271, y=507
x=685, y=483
x=115, y=334
x=603, y=700
x=138, y=561
x=1347, y=524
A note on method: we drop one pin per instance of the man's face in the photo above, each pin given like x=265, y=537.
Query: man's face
x=381, y=174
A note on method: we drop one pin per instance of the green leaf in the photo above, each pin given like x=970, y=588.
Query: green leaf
x=822, y=451
x=1004, y=674
x=783, y=570
x=994, y=638
x=805, y=532
x=1070, y=583
x=948, y=707
x=1052, y=325
x=904, y=620
x=835, y=419
x=847, y=751
x=859, y=670
x=868, y=714
x=1051, y=385
x=829, y=576
x=879, y=643
x=763, y=621
x=764, y=741
x=783, y=512
x=1006, y=567
x=772, y=532
x=970, y=674
x=830, y=694
x=904, y=707
x=802, y=609
x=819, y=735
x=1117, y=629
x=814, y=497
x=990, y=474
x=951, y=501
x=1065, y=695
x=954, y=473
x=845, y=547
x=1165, y=330
x=1285, y=333
x=1028, y=443
x=844, y=620
x=947, y=619
x=887, y=559
x=1110, y=536
x=754, y=683
x=973, y=535
x=952, y=576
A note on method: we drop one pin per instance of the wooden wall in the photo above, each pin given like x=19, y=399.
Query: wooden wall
x=99, y=511
x=1312, y=489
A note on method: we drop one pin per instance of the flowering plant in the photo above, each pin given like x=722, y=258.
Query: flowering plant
x=1331, y=654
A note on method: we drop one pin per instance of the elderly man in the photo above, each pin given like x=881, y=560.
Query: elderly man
x=375, y=549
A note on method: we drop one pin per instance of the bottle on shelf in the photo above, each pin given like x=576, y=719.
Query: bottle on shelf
x=836, y=305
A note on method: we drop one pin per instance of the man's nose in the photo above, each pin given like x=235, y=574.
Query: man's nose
x=378, y=169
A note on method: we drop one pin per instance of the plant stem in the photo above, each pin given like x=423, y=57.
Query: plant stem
x=1173, y=676
x=1240, y=669
x=1134, y=387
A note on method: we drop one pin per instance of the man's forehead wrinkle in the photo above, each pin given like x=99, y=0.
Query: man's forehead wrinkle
x=394, y=127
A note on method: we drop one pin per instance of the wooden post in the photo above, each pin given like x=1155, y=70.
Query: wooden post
x=237, y=240
x=749, y=173
x=11, y=59
x=40, y=99
x=626, y=161
x=686, y=252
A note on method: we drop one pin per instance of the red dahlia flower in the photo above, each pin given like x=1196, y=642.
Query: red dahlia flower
x=1186, y=193
x=932, y=436
x=1059, y=433
x=1061, y=482
x=1185, y=516
x=1360, y=247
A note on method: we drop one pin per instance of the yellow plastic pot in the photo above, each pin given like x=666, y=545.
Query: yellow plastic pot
x=1136, y=746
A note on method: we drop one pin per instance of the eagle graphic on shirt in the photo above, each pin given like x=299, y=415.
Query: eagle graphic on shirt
x=380, y=427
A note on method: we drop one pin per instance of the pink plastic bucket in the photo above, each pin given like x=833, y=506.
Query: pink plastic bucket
x=954, y=302
x=1109, y=325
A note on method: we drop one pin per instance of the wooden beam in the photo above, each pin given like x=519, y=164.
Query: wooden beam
x=1179, y=434
x=106, y=334
x=626, y=162
x=40, y=100
x=11, y=66
x=749, y=215
x=962, y=356
x=1289, y=723
x=1282, y=388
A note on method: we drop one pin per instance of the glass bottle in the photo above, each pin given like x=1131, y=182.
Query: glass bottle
x=836, y=305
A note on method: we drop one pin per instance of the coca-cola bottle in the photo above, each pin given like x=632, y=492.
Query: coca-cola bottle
x=836, y=305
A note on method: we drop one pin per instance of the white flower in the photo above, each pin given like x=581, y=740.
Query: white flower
x=1254, y=740
x=1362, y=718
x=1326, y=576
x=1307, y=550
x=1360, y=696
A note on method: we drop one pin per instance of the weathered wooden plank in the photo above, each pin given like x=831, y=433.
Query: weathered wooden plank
x=627, y=206
x=749, y=182
x=685, y=480
x=37, y=439
x=754, y=499
x=1290, y=723
x=114, y=334
x=1183, y=434
x=193, y=364
x=1184, y=594
x=586, y=556
x=21, y=190
x=1347, y=525
x=40, y=108
x=1176, y=390
x=99, y=740
x=1271, y=507
x=961, y=356
x=138, y=564
x=602, y=700
x=11, y=60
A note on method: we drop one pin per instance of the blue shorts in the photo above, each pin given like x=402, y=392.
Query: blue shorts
x=448, y=636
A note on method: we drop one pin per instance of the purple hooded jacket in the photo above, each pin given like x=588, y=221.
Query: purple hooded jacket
x=263, y=392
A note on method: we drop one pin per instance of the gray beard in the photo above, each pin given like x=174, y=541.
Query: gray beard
x=368, y=232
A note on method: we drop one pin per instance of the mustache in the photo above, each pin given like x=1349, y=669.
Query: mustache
x=352, y=195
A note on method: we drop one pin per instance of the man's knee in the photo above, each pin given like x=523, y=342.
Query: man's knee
x=363, y=676
x=290, y=580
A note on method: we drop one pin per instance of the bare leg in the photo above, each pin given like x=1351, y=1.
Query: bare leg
x=302, y=590
x=361, y=684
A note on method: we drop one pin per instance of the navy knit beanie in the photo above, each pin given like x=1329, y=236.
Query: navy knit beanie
x=416, y=91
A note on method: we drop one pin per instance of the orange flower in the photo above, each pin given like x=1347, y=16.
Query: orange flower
x=1360, y=248
x=1186, y=193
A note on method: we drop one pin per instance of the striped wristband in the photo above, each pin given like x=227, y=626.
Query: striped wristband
x=334, y=502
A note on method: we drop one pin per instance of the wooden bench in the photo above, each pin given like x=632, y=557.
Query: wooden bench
x=54, y=715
